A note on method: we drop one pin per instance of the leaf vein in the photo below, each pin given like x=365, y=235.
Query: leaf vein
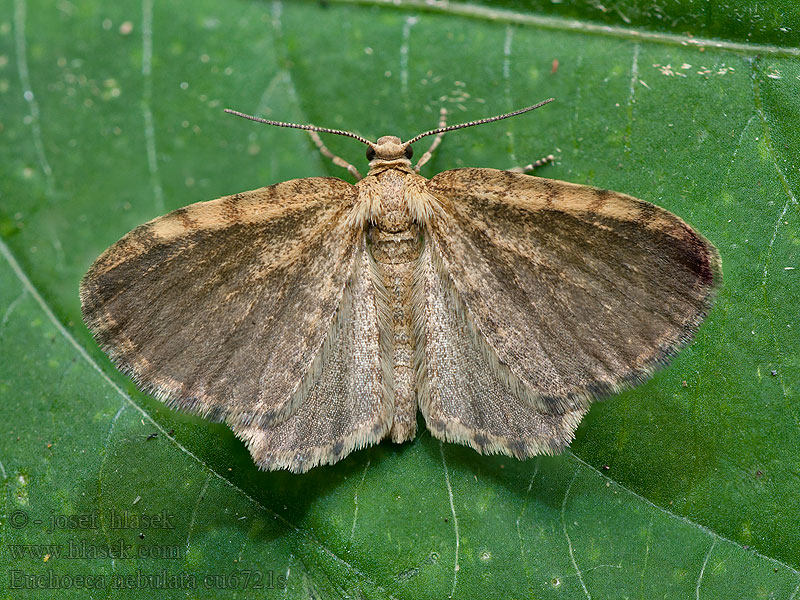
x=456, y=566
x=122, y=407
x=794, y=593
x=566, y=534
x=791, y=199
x=501, y=15
x=631, y=97
x=404, y=47
x=147, y=97
x=355, y=501
x=21, y=48
x=703, y=570
x=192, y=521
x=11, y=307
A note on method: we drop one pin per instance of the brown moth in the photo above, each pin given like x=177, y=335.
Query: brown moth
x=316, y=317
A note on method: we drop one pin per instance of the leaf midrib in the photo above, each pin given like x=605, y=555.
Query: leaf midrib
x=501, y=15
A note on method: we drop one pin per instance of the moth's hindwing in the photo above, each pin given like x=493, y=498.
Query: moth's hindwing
x=221, y=308
x=464, y=397
x=576, y=292
x=347, y=407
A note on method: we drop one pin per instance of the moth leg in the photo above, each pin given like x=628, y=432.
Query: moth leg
x=535, y=164
x=436, y=141
x=338, y=161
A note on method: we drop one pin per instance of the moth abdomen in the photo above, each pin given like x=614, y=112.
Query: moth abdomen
x=395, y=244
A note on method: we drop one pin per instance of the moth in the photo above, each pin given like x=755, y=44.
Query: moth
x=316, y=317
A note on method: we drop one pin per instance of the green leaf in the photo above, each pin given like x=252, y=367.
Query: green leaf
x=111, y=114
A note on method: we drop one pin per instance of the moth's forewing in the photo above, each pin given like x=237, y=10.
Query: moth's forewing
x=347, y=407
x=464, y=396
x=221, y=308
x=576, y=291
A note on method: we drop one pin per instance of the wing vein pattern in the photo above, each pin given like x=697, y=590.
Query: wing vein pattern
x=540, y=285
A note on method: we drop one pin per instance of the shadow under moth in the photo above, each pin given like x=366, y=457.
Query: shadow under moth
x=315, y=317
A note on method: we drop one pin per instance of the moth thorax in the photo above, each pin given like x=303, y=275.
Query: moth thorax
x=393, y=214
x=402, y=246
x=393, y=221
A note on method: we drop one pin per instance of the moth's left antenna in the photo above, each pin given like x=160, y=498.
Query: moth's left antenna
x=298, y=126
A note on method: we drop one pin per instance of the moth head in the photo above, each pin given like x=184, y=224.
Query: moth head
x=389, y=149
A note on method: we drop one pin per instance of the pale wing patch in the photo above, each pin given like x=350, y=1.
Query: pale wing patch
x=463, y=394
x=579, y=292
x=221, y=308
x=347, y=407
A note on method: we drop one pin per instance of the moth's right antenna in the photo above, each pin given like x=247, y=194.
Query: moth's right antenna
x=478, y=122
x=297, y=126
